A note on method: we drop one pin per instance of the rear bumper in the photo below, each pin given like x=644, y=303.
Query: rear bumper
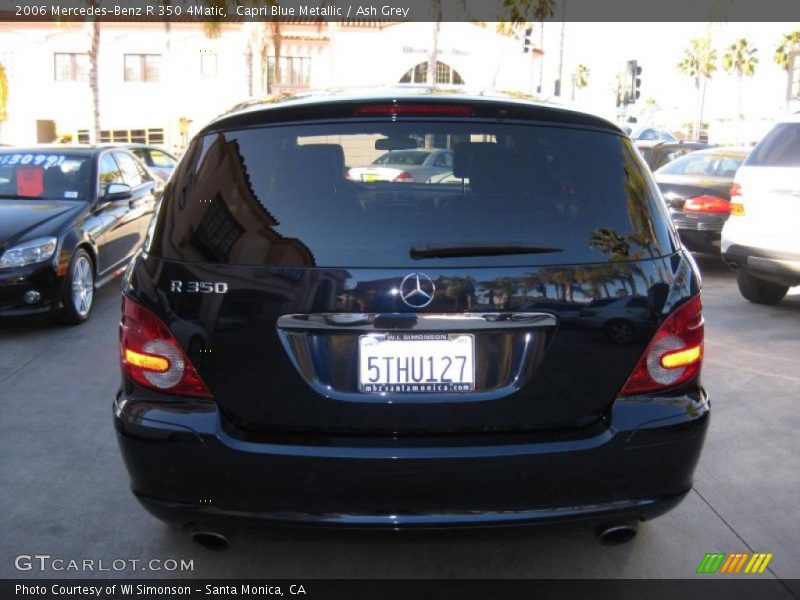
x=186, y=468
x=699, y=231
x=779, y=267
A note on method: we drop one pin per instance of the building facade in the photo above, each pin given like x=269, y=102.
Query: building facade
x=160, y=82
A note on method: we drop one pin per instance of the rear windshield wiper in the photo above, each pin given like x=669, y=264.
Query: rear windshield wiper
x=471, y=249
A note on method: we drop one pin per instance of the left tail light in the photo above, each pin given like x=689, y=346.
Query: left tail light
x=404, y=176
x=152, y=357
x=707, y=204
x=674, y=355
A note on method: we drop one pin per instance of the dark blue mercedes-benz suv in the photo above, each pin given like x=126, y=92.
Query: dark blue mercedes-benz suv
x=313, y=338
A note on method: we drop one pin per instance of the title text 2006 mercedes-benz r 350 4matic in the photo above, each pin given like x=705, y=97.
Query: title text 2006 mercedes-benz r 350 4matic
x=512, y=340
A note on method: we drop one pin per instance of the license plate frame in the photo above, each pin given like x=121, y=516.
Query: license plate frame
x=414, y=355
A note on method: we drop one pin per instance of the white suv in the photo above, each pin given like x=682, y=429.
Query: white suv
x=761, y=239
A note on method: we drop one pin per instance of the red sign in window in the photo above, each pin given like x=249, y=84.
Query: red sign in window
x=30, y=181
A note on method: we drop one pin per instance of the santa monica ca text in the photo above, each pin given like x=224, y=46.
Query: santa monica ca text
x=140, y=589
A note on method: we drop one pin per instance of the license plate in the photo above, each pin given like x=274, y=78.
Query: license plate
x=416, y=363
x=367, y=177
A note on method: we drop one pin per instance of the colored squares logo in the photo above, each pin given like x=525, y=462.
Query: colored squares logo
x=737, y=562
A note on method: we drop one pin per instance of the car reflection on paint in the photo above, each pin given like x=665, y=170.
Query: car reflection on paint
x=621, y=319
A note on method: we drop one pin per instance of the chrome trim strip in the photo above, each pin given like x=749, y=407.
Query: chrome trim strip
x=443, y=322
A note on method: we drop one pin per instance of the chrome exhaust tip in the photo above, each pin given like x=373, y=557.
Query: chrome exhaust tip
x=617, y=533
x=211, y=540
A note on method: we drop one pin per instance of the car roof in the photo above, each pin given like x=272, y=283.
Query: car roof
x=684, y=143
x=342, y=104
x=62, y=148
x=727, y=150
x=134, y=145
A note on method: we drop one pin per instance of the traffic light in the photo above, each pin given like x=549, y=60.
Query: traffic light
x=527, y=44
x=632, y=82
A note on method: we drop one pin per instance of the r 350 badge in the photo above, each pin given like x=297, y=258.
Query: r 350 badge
x=198, y=287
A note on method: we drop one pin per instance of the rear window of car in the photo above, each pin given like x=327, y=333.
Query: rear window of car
x=779, y=148
x=402, y=158
x=709, y=165
x=50, y=175
x=281, y=196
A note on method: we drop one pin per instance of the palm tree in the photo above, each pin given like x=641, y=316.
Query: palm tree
x=520, y=11
x=788, y=47
x=94, y=84
x=699, y=62
x=650, y=109
x=542, y=9
x=740, y=58
x=560, y=70
x=434, y=56
x=256, y=42
x=580, y=78
x=618, y=249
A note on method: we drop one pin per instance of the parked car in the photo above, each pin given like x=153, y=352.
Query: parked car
x=652, y=134
x=158, y=160
x=760, y=240
x=663, y=153
x=411, y=165
x=697, y=190
x=70, y=220
x=354, y=383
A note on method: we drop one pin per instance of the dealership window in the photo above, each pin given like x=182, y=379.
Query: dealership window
x=208, y=64
x=71, y=66
x=136, y=136
x=444, y=74
x=142, y=67
x=292, y=70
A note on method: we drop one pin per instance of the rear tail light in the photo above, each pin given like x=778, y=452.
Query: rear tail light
x=152, y=357
x=737, y=207
x=404, y=176
x=675, y=354
x=707, y=204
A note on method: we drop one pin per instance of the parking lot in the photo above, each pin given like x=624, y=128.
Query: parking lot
x=65, y=492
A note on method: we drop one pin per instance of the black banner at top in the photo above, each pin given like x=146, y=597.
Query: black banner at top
x=392, y=11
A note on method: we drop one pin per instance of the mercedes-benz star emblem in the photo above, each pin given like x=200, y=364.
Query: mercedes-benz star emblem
x=417, y=290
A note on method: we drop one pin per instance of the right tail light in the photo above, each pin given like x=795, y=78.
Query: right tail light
x=737, y=206
x=674, y=355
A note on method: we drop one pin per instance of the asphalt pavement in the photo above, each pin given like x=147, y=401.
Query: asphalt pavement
x=64, y=489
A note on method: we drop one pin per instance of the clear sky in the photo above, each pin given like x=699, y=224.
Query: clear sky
x=658, y=48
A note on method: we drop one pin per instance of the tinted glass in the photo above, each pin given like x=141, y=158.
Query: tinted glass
x=281, y=196
x=109, y=172
x=709, y=165
x=161, y=159
x=131, y=172
x=51, y=175
x=780, y=148
x=444, y=159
